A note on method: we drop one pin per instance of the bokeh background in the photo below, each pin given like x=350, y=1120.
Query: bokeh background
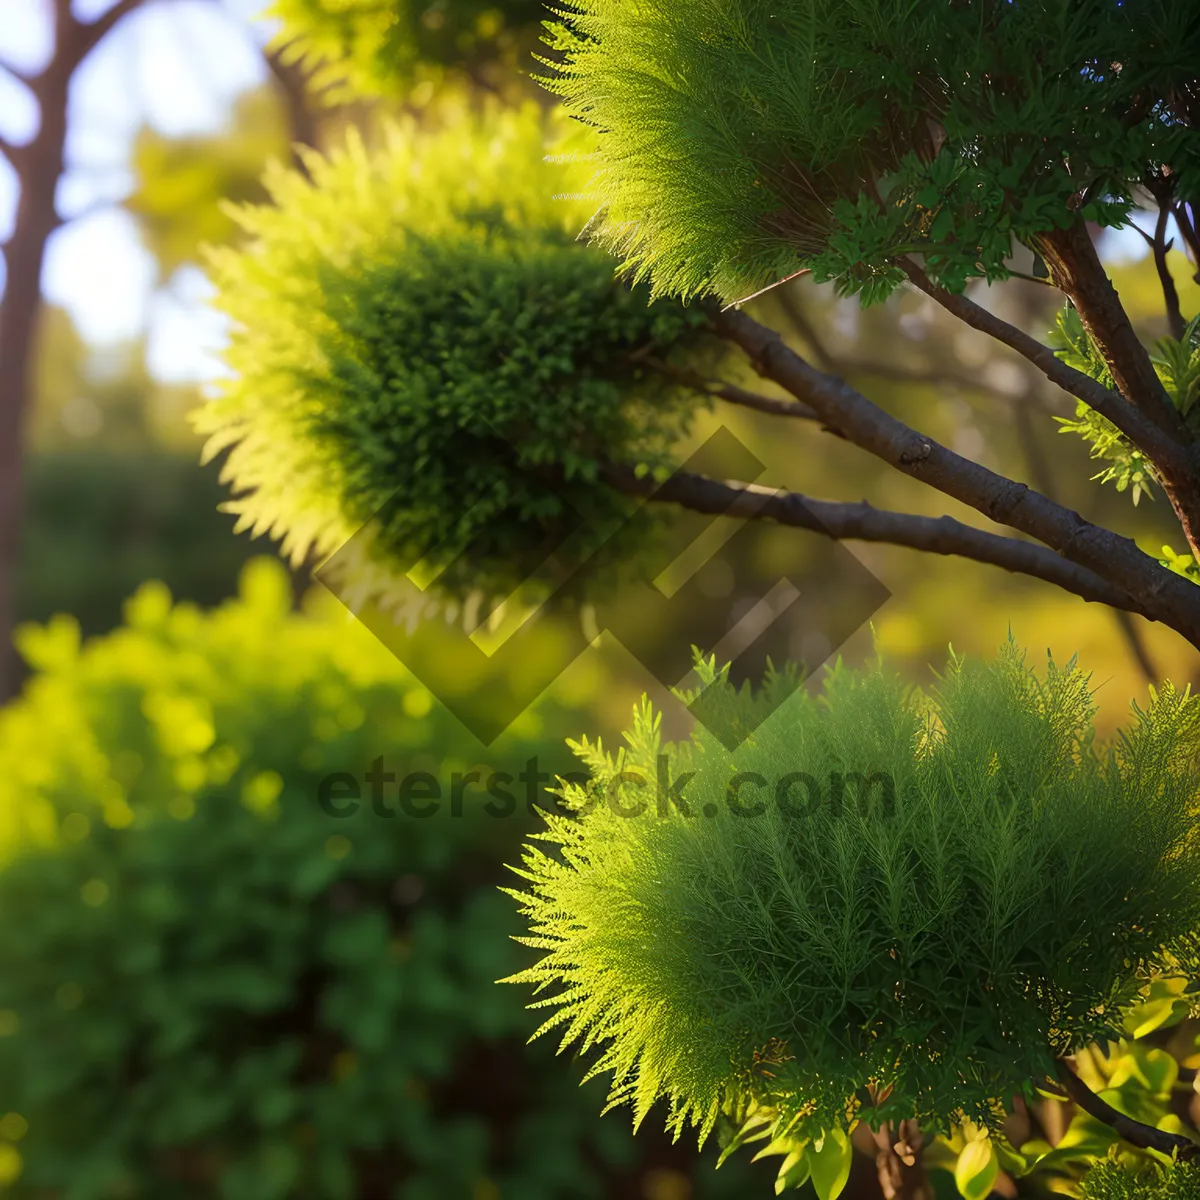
x=208, y=985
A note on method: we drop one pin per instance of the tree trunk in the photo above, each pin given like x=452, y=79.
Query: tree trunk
x=38, y=166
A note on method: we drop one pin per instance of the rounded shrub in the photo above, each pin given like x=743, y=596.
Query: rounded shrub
x=218, y=979
x=884, y=905
x=740, y=142
x=421, y=343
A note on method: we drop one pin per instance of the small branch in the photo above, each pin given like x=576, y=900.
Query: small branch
x=733, y=394
x=805, y=328
x=1145, y=1137
x=1159, y=245
x=9, y=151
x=1143, y=432
x=20, y=74
x=863, y=522
x=1190, y=238
x=1137, y=645
x=292, y=80
x=893, y=373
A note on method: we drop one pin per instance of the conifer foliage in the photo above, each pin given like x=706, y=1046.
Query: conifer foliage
x=740, y=142
x=781, y=952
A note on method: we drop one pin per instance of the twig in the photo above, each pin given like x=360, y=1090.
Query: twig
x=732, y=393
x=894, y=373
x=76, y=39
x=1136, y=644
x=1159, y=245
x=1190, y=238
x=1146, y=1137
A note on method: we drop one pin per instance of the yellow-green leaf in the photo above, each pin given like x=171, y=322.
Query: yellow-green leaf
x=976, y=1170
x=829, y=1161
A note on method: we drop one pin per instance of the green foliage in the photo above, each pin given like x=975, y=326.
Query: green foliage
x=1126, y=466
x=385, y=47
x=211, y=987
x=1177, y=364
x=1108, y=1180
x=97, y=524
x=741, y=140
x=1181, y=564
x=993, y=891
x=419, y=329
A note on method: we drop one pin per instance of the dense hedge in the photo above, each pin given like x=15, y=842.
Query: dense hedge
x=209, y=986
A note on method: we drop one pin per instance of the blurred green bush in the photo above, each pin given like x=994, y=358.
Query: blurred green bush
x=210, y=987
x=98, y=522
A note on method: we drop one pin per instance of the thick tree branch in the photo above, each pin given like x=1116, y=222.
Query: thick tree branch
x=1156, y=592
x=1144, y=433
x=1078, y=273
x=862, y=522
x=1146, y=1137
x=1077, y=270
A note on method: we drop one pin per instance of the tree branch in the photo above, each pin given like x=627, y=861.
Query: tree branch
x=863, y=522
x=87, y=36
x=894, y=373
x=1077, y=270
x=1144, y=433
x=1157, y=593
x=1190, y=238
x=1078, y=273
x=733, y=394
x=1146, y=1137
x=1159, y=245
